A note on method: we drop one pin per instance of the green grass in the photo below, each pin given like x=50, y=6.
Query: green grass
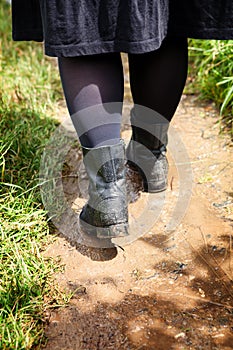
x=211, y=67
x=30, y=87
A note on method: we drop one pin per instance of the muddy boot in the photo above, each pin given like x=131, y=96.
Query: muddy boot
x=105, y=215
x=146, y=153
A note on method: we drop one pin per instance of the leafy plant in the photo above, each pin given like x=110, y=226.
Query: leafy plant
x=28, y=92
x=211, y=66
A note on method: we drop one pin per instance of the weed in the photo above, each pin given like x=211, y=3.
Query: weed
x=211, y=66
x=30, y=88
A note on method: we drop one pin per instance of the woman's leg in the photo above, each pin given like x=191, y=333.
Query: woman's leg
x=157, y=80
x=94, y=85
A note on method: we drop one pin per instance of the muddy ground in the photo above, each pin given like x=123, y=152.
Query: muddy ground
x=166, y=290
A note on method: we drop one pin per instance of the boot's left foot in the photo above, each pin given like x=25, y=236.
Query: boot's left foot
x=105, y=215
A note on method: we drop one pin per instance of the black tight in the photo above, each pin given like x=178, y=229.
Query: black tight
x=92, y=81
x=157, y=80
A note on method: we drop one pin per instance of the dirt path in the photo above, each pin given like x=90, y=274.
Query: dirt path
x=165, y=290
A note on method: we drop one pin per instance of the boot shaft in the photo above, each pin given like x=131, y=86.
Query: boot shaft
x=104, y=166
x=151, y=129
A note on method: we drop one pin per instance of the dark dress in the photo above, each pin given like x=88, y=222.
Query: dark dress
x=84, y=27
x=201, y=19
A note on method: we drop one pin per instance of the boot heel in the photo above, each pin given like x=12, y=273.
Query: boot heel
x=155, y=186
x=114, y=231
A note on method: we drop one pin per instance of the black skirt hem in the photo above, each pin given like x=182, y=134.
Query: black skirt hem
x=102, y=47
x=200, y=33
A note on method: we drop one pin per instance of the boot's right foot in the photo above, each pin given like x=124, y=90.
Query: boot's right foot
x=146, y=152
x=151, y=165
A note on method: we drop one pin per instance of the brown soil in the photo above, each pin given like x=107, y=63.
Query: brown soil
x=166, y=290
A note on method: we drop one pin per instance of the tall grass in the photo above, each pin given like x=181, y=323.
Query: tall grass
x=211, y=65
x=27, y=94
